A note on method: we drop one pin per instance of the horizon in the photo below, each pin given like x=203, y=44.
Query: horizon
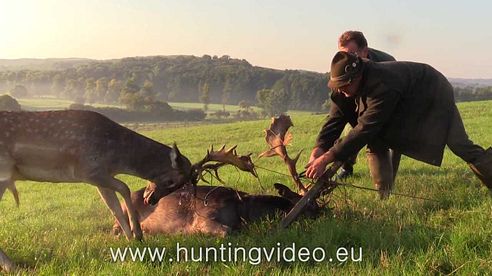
x=287, y=35
x=256, y=65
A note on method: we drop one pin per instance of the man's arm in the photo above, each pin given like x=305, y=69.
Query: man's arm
x=337, y=119
x=380, y=106
x=332, y=129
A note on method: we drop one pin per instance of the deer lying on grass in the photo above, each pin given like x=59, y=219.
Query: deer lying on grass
x=218, y=210
x=214, y=210
x=83, y=146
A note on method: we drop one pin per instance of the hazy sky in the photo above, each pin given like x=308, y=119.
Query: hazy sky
x=453, y=36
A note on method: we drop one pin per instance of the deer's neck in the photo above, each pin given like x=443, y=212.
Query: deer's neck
x=145, y=158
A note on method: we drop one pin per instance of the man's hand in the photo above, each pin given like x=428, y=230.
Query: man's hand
x=317, y=167
x=317, y=152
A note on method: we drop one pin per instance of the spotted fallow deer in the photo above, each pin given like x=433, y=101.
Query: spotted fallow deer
x=82, y=146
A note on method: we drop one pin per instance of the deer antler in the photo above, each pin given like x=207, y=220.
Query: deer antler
x=278, y=137
x=221, y=158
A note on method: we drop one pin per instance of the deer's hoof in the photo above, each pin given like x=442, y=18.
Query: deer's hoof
x=7, y=267
x=138, y=236
x=116, y=230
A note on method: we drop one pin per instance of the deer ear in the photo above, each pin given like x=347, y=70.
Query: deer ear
x=281, y=189
x=175, y=157
x=287, y=193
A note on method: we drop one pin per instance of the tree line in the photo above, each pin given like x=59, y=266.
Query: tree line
x=472, y=93
x=138, y=82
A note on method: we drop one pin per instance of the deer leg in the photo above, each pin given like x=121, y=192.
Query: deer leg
x=5, y=263
x=9, y=184
x=124, y=191
x=6, y=172
x=116, y=226
x=215, y=228
x=3, y=187
x=220, y=230
x=109, y=196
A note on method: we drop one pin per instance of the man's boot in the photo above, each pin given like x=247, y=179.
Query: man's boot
x=482, y=167
x=347, y=169
x=381, y=171
x=395, y=163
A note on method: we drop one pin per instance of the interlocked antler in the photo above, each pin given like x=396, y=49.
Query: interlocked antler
x=278, y=137
x=221, y=158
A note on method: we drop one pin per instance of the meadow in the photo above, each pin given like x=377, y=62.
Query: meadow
x=51, y=103
x=66, y=228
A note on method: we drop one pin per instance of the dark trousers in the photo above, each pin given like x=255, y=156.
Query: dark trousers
x=458, y=141
x=383, y=162
x=393, y=155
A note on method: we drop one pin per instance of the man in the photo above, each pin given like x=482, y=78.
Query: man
x=343, y=111
x=355, y=42
x=406, y=106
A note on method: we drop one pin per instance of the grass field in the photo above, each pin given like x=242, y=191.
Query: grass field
x=65, y=228
x=46, y=103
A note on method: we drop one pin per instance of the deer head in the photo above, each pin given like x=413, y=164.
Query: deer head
x=180, y=175
x=183, y=173
x=312, y=210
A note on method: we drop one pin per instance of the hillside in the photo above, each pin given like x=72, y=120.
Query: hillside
x=170, y=78
x=219, y=80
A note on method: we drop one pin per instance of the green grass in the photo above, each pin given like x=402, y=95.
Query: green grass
x=211, y=107
x=65, y=228
x=43, y=104
x=230, y=108
x=49, y=103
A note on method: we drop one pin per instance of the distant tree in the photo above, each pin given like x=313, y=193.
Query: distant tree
x=226, y=94
x=130, y=96
x=131, y=87
x=262, y=97
x=220, y=114
x=114, y=90
x=245, y=105
x=159, y=107
x=134, y=101
x=274, y=102
x=147, y=90
x=101, y=89
x=90, y=91
x=205, y=96
x=19, y=91
x=7, y=103
x=326, y=105
x=245, y=111
x=57, y=84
